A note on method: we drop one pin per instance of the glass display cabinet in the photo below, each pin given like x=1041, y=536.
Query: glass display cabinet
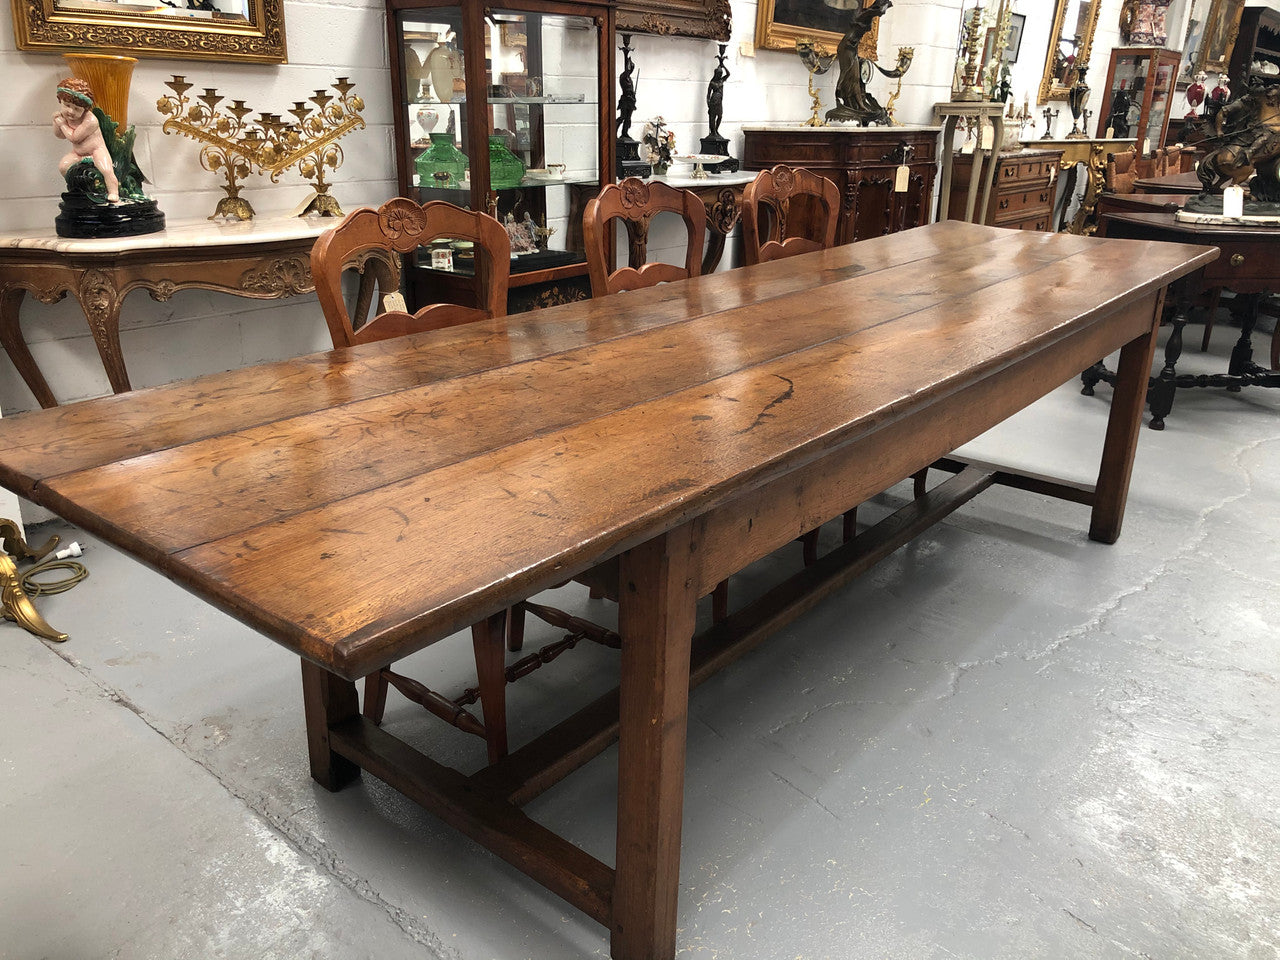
x=1137, y=98
x=508, y=110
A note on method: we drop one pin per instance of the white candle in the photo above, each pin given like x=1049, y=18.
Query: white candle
x=1233, y=201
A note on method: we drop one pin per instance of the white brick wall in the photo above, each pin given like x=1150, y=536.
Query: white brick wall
x=198, y=332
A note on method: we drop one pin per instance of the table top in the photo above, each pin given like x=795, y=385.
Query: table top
x=1165, y=222
x=178, y=234
x=358, y=504
x=1171, y=183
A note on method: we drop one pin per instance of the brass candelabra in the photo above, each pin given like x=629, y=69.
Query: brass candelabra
x=235, y=146
x=817, y=61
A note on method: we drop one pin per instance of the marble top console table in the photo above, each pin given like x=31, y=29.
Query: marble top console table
x=266, y=258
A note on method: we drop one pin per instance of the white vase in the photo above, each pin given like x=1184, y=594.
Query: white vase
x=444, y=64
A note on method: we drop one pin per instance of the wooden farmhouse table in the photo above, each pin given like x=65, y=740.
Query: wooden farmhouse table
x=681, y=431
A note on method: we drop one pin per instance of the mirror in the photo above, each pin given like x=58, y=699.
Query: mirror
x=251, y=30
x=1070, y=42
x=1211, y=35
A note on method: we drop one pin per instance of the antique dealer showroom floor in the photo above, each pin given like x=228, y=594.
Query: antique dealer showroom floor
x=1004, y=742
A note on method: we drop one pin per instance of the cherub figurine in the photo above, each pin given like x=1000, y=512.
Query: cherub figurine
x=76, y=122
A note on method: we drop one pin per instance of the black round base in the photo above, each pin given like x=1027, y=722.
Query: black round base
x=83, y=219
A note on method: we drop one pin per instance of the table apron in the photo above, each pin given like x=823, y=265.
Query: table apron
x=737, y=533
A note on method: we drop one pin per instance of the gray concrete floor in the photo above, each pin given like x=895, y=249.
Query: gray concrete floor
x=1005, y=741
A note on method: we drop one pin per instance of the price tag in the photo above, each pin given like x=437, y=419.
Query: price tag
x=1111, y=132
x=394, y=301
x=988, y=137
x=900, y=178
x=1053, y=174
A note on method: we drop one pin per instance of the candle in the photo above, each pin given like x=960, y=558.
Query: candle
x=1233, y=201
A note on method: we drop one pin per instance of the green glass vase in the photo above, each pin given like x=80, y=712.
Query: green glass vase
x=442, y=164
x=505, y=168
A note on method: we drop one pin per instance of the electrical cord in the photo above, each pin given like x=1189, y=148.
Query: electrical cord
x=34, y=587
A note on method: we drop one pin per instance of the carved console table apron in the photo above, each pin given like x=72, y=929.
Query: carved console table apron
x=266, y=259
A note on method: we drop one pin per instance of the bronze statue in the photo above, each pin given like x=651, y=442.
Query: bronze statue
x=715, y=94
x=627, y=99
x=1246, y=142
x=853, y=101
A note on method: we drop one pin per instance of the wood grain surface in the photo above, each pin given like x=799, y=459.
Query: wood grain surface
x=358, y=504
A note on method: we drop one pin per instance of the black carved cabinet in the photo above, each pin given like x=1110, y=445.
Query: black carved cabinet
x=885, y=174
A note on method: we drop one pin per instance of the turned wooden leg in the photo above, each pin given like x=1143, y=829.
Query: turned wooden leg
x=720, y=601
x=810, y=544
x=515, y=628
x=327, y=699
x=656, y=620
x=490, y=648
x=375, y=696
x=849, y=528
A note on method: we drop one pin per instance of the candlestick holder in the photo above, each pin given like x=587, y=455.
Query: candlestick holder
x=1049, y=117
x=817, y=61
x=971, y=50
x=235, y=146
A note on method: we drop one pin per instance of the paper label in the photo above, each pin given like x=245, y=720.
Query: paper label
x=1053, y=175
x=1111, y=132
x=988, y=137
x=394, y=301
x=900, y=179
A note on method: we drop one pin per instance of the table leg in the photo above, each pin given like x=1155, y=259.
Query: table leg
x=1245, y=309
x=1165, y=386
x=100, y=302
x=948, y=154
x=1123, y=427
x=16, y=347
x=327, y=699
x=656, y=620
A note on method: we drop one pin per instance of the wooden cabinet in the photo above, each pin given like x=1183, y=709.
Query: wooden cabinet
x=1136, y=101
x=1022, y=192
x=1257, y=50
x=876, y=197
x=508, y=110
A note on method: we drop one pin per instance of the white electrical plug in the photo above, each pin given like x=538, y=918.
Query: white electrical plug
x=73, y=549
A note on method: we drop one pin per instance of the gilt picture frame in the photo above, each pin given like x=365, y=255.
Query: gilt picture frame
x=780, y=23
x=253, y=33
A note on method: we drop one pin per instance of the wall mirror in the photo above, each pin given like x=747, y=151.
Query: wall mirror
x=251, y=30
x=708, y=19
x=1212, y=27
x=780, y=23
x=1069, y=44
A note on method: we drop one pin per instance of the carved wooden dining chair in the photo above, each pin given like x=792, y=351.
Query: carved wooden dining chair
x=635, y=203
x=787, y=211
x=371, y=242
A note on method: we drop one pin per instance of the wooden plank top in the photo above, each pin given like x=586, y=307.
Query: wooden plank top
x=358, y=504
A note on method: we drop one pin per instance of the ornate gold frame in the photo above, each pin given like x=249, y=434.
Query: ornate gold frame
x=41, y=26
x=708, y=19
x=1226, y=14
x=773, y=35
x=1050, y=89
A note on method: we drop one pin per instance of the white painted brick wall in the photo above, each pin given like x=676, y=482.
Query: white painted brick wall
x=198, y=332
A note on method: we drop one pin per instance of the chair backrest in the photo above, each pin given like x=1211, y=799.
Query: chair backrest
x=374, y=239
x=1122, y=171
x=1172, y=160
x=635, y=202
x=788, y=210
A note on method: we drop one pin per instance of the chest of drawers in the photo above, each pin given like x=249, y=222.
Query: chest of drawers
x=1022, y=192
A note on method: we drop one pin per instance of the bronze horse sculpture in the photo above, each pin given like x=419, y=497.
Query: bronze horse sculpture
x=1247, y=138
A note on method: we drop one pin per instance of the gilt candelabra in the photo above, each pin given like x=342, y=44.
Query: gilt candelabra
x=817, y=61
x=235, y=146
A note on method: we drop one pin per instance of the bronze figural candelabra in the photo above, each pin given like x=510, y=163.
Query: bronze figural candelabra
x=817, y=61
x=235, y=146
